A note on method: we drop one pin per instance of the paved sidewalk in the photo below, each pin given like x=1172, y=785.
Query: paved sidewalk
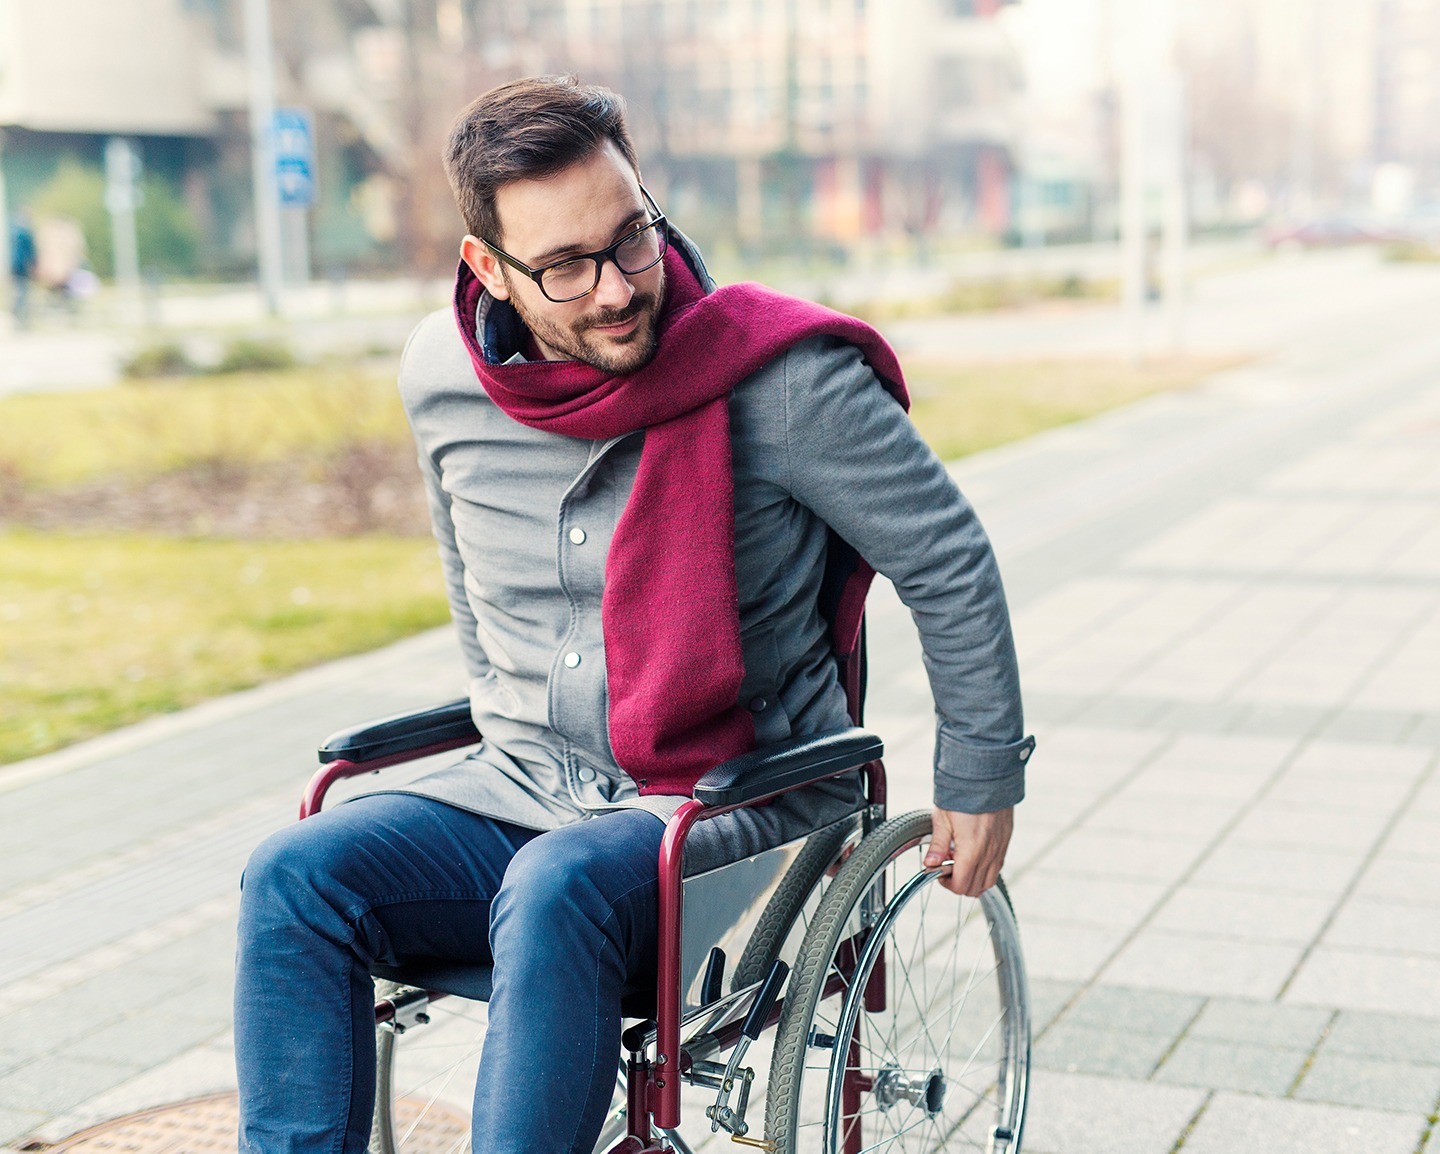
x=1227, y=603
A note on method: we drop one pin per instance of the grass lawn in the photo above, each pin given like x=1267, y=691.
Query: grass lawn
x=144, y=428
x=962, y=409
x=98, y=630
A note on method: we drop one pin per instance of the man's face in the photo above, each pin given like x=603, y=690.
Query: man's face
x=580, y=209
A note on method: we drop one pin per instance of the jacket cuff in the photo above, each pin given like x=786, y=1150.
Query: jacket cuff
x=979, y=778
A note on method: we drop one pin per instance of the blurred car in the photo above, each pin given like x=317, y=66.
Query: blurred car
x=1327, y=232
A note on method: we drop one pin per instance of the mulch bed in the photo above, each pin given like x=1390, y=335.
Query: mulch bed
x=365, y=488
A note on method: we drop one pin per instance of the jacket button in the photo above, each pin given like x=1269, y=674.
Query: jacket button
x=586, y=774
x=577, y=536
x=758, y=704
x=572, y=660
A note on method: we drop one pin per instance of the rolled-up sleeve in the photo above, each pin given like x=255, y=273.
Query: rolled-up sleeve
x=856, y=460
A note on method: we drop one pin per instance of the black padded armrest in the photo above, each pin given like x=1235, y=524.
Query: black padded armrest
x=448, y=725
x=800, y=761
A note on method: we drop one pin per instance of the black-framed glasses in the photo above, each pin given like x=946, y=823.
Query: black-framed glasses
x=577, y=276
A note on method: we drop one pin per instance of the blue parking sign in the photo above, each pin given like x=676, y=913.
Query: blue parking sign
x=294, y=157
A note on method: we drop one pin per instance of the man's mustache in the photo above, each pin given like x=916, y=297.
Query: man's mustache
x=641, y=302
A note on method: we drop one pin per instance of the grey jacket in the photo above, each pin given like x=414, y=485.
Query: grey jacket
x=524, y=520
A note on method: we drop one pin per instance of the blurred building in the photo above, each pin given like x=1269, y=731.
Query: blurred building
x=818, y=120
x=786, y=124
x=171, y=75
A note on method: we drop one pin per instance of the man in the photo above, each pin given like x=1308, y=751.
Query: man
x=22, y=266
x=633, y=477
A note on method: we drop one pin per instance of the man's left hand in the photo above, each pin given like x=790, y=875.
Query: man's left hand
x=975, y=842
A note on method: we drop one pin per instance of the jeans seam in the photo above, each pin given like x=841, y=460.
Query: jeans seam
x=356, y=913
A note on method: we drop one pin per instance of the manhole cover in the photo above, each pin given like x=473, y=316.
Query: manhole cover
x=207, y=1126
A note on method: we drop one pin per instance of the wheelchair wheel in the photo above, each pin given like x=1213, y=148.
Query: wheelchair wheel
x=425, y=1078
x=425, y=1081
x=906, y=1026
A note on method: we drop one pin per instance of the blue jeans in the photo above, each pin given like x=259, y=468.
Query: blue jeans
x=568, y=919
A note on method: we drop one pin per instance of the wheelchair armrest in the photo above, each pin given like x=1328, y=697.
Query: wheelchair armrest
x=446, y=725
x=776, y=768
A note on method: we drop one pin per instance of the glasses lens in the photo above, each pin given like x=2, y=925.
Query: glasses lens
x=565, y=282
x=641, y=249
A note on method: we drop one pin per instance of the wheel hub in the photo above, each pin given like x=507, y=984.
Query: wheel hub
x=893, y=1085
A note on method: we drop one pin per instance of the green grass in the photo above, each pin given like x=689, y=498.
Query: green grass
x=100, y=631
x=962, y=409
x=141, y=429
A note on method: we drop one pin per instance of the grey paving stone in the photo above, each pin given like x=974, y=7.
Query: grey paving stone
x=1076, y=1048
x=1238, y=786
x=1125, y=711
x=1239, y=1122
x=1376, y=925
x=1426, y=731
x=1105, y=853
x=1368, y=725
x=1133, y=1011
x=1280, y=720
x=1231, y=753
x=1115, y=903
x=1224, y=1065
x=1244, y=915
x=1414, y=835
x=38, y=1028
x=1408, y=881
x=1273, y=870
x=1086, y=1114
x=1190, y=819
x=1283, y=824
x=1367, y=980
x=145, y=1039
x=213, y=999
x=1399, y=1037
x=1163, y=960
x=55, y=1083
x=1067, y=952
x=1201, y=717
x=1261, y=1023
x=1047, y=998
x=1385, y=1085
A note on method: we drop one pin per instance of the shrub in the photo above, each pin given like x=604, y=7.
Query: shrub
x=249, y=354
x=162, y=360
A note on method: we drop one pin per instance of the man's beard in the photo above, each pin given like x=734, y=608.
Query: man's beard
x=616, y=356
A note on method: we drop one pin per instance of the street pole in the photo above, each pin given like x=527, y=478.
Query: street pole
x=1174, y=210
x=1132, y=179
x=262, y=152
x=122, y=165
x=1175, y=223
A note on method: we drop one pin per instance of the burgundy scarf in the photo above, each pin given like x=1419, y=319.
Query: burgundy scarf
x=670, y=611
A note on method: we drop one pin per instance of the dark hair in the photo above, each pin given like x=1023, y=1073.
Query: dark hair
x=525, y=130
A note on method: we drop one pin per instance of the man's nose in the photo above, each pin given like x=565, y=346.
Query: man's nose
x=614, y=290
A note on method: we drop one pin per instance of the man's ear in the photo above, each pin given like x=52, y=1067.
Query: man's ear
x=485, y=265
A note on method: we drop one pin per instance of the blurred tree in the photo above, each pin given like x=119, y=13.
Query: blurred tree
x=169, y=238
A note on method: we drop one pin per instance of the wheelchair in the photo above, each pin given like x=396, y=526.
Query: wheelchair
x=896, y=1014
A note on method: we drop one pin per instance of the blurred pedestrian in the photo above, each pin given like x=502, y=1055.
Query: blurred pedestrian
x=23, y=258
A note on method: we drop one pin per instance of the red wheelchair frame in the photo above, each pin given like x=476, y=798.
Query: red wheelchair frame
x=653, y=1085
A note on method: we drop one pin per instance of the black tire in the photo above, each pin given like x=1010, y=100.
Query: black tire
x=784, y=910
x=951, y=964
